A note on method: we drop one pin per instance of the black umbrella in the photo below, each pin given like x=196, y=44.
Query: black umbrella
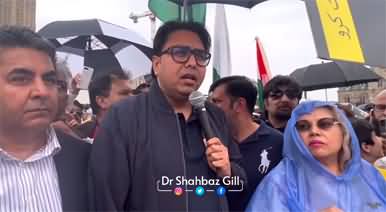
x=332, y=75
x=241, y=3
x=97, y=41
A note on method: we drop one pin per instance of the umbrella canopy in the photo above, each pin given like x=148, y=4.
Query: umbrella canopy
x=353, y=30
x=332, y=75
x=99, y=42
x=241, y=3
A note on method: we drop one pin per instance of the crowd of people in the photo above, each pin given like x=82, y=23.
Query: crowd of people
x=294, y=156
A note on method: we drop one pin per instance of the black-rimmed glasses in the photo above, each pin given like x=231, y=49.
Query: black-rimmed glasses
x=181, y=54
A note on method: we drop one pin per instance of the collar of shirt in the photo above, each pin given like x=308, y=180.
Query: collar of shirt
x=263, y=129
x=280, y=129
x=193, y=116
x=51, y=148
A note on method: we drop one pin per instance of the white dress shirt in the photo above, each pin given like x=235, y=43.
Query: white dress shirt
x=31, y=184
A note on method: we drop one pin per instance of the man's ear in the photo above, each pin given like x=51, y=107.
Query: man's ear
x=371, y=115
x=365, y=147
x=156, y=62
x=239, y=104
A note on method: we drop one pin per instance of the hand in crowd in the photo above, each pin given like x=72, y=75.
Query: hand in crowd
x=71, y=121
x=75, y=82
x=218, y=157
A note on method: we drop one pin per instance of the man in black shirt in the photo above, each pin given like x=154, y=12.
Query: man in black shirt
x=281, y=95
x=156, y=135
x=259, y=144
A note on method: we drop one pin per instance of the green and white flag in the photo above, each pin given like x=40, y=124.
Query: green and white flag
x=166, y=10
x=221, y=51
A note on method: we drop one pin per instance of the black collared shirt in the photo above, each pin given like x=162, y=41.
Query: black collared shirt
x=261, y=152
x=196, y=163
x=280, y=129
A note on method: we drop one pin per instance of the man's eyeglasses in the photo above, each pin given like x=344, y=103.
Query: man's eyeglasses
x=277, y=94
x=380, y=107
x=181, y=54
x=323, y=123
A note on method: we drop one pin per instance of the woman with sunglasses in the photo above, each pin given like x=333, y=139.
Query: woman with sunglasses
x=322, y=168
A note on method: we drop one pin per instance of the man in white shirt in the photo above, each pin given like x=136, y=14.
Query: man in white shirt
x=41, y=170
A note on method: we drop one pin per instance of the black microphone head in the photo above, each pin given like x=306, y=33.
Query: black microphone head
x=197, y=99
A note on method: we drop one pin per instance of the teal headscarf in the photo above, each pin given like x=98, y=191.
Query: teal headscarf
x=301, y=183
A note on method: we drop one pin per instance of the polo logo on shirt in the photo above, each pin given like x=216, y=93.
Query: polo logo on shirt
x=264, y=164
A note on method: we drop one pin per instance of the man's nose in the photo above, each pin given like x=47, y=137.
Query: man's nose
x=40, y=88
x=191, y=61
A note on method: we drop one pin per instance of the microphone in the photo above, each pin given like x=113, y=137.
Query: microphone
x=197, y=99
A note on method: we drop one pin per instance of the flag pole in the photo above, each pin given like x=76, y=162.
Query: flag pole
x=325, y=93
x=263, y=71
x=186, y=15
x=179, y=11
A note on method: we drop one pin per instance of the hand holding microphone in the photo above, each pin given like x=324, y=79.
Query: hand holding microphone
x=216, y=153
x=218, y=157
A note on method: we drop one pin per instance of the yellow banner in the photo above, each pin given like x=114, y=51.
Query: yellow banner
x=339, y=30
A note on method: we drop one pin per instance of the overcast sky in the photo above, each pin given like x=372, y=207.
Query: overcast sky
x=282, y=26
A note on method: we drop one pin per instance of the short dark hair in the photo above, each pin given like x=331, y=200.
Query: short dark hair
x=279, y=81
x=22, y=37
x=101, y=86
x=238, y=86
x=170, y=27
x=141, y=88
x=363, y=130
x=379, y=127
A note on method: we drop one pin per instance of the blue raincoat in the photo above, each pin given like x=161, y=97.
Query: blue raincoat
x=301, y=183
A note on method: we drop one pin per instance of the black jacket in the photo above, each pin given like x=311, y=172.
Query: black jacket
x=72, y=167
x=139, y=141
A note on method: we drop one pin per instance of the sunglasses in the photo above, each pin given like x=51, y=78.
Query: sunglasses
x=380, y=107
x=279, y=93
x=181, y=54
x=323, y=124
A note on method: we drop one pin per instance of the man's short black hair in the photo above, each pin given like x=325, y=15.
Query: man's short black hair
x=170, y=27
x=282, y=81
x=141, y=88
x=101, y=86
x=238, y=86
x=22, y=37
